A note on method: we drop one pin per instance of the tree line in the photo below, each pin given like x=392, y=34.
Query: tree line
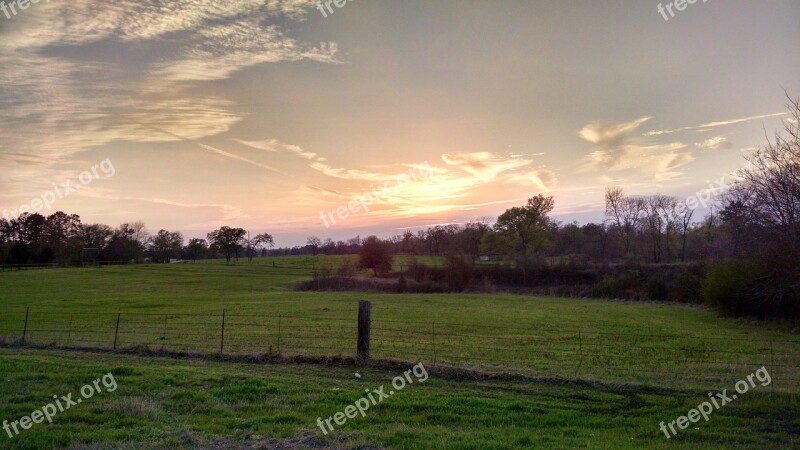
x=63, y=239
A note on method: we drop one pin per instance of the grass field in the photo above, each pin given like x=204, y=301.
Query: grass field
x=665, y=354
x=164, y=403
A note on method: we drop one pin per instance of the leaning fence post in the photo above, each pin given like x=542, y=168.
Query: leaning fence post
x=69, y=334
x=116, y=332
x=364, y=323
x=25, y=329
x=222, y=338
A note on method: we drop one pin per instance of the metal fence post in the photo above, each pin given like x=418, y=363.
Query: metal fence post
x=364, y=323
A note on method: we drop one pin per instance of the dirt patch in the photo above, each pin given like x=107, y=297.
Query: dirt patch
x=307, y=440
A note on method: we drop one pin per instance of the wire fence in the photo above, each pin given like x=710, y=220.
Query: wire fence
x=676, y=360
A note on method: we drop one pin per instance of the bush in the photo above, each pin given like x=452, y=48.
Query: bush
x=402, y=284
x=687, y=285
x=459, y=270
x=625, y=286
x=656, y=288
x=730, y=287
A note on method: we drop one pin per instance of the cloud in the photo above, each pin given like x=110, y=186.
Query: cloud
x=543, y=179
x=237, y=157
x=275, y=146
x=612, y=140
x=611, y=135
x=707, y=126
x=88, y=101
x=619, y=149
x=484, y=165
x=218, y=51
x=715, y=143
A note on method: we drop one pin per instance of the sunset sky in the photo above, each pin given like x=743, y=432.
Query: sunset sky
x=263, y=113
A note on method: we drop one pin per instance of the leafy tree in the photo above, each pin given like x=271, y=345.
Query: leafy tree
x=196, y=248
x=164, y=245
x=376, y=255
x=228, y=240
x=253, y=245
x=521, y=231
x=95, y=235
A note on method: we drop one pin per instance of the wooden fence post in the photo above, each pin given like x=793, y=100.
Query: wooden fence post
x=433, y=340
x=580, y=352
x=364, y=323
x=279, y=329
x=25, y=329
x=222, y=338
x=116, y=332
x=69, y=334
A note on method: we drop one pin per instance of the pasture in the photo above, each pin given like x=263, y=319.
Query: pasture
x=596, y=373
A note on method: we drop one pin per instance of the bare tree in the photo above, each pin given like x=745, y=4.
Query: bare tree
x=773, y=179
x=315, y=243
x=626, y=213
x=683, y=219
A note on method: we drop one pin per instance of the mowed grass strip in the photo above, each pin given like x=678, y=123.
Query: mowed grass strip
x=167, y=403
x=180, y=306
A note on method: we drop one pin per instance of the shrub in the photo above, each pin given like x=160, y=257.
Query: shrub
x=458, y=269
x=730, y=287
x=656, y=288
x=687, y=285
x=402, y=284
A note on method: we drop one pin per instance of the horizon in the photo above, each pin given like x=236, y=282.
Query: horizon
x=272, y=116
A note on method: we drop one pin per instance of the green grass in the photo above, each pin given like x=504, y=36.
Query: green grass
x=666, y=356
x=166, y=403
x=179, y=307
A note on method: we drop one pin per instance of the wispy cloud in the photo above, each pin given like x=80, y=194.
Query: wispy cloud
x=617, y=148
x=489, y=167
x=706, y=126
x=275, y=146
x=715, y=143
x=91, y=100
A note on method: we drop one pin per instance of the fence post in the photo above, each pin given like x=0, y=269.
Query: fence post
x=580, y=352
x=279, y=329
x=222, y=338
x=116, y=332
x=364, y=323
x=25, y=329
x=433, y=339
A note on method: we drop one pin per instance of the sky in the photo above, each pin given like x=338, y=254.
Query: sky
x=379, y=117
